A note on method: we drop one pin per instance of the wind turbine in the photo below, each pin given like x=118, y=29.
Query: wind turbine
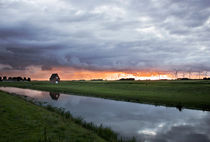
x=176, y=73
x=199, y=74
x=206, y=74
x=183, y=75
x=190, y=72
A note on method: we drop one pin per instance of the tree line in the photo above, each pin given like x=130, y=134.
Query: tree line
x=15, y=78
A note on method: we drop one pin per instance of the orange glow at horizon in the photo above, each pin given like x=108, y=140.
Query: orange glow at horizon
x=106, y=76
x=65, y=73
x=68, y=73
x=81, y=74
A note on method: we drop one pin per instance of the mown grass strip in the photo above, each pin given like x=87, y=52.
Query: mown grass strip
x=193, y=94
x=23, y=121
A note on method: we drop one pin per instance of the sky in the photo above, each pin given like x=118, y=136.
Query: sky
x=90, y=38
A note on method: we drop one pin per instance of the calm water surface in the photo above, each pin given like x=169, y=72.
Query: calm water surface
x=145, y=122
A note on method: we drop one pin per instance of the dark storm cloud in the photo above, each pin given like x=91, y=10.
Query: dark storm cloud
x=98, y=35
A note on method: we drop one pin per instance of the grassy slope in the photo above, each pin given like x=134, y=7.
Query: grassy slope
x=21, y=121
x=190, y=94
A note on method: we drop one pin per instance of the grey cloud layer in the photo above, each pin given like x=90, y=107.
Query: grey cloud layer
x=113, y=34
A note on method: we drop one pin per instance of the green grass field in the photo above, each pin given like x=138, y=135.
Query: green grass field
x=189, y=94
x=22, y=121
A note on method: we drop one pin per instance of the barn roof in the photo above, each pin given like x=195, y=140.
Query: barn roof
x=54, y=75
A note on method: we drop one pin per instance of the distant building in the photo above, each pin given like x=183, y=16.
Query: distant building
x=55, y=78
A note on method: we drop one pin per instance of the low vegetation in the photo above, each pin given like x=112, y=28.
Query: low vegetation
x=23, y=121
x=177, y=93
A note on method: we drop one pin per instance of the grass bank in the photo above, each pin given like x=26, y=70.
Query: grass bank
x=22, y=121
x=193, y=94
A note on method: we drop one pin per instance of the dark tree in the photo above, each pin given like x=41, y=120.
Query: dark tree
x=0, y=78
x=10, y=79
x=24, y=79
x=4, y=78
x=125, y=79
x=14, y=78
x=19, y=78
x=29, y=79
x=205, y=78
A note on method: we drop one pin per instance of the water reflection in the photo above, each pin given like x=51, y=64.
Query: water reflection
x=54, y=95
x=145, y=122
x=179, y=107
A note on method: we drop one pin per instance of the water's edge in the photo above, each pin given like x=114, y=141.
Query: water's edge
x=128, y=119
x=108, y=133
